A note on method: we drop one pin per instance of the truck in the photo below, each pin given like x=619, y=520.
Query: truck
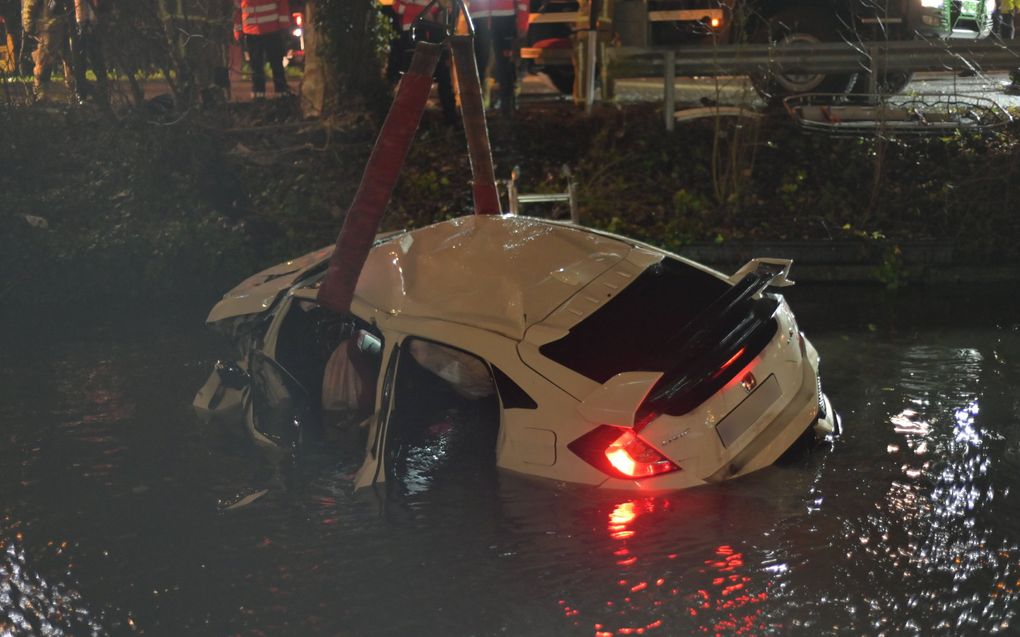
x=668, y=23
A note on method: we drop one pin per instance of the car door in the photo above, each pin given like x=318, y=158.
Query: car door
x=373, y=468
x=438, y=413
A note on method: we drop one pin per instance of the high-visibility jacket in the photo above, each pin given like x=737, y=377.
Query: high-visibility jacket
x=260, y=17
x=409, y=10
x=500, y=8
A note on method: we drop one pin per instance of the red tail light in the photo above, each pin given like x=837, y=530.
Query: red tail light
x=621, y=453
x=732, y=359
x=298, y=19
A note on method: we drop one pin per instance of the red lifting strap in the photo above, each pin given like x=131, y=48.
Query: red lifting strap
x=377, y=182
x=472, y=110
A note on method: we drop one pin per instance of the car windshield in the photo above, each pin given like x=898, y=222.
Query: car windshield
x=628, y=333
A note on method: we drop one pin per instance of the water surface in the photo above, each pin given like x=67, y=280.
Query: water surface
x=110, y=494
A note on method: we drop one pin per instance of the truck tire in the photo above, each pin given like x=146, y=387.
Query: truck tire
x=790, y=27
x=562, y=77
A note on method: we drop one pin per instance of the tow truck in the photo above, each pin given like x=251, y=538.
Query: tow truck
x=647, y=23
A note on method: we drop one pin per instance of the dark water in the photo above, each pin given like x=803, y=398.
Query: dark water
x=110, y=524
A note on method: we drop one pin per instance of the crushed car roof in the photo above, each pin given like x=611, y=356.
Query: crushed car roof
x=499, y=273
x=502, y=273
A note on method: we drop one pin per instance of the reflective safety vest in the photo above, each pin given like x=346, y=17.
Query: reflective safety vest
x=486, y=8
x=409, y=10
x=501, y=8
x=260, y=17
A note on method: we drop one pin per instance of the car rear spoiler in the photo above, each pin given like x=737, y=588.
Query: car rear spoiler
x=780, y=280
x=727, y=334
x=622, y=400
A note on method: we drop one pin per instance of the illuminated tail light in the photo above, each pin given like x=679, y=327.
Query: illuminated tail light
x=716, y=22
x=298, y=19
x=621, y=453
x=732, y=359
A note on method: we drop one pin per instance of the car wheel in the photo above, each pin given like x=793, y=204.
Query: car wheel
x=793, y=28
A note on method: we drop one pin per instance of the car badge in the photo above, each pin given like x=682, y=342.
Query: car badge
x=748, y=382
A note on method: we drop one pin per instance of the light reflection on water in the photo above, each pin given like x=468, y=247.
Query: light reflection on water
x=109, y=485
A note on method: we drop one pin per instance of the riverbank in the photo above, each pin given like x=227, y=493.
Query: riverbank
x=162, y=206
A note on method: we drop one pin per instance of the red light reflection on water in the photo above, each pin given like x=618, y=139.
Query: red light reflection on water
x=721, y=595
x=730, y=597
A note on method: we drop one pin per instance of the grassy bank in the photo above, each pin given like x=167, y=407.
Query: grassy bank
x=156, y=208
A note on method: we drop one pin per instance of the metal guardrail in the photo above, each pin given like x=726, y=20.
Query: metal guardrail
x=914, y=55
x=831, y=57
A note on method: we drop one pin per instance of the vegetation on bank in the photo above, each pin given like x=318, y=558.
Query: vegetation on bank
x=152, y=208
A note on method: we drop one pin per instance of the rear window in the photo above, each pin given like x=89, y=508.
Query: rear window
x=628, y=332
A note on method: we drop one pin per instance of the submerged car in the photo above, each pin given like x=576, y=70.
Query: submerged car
x=601, y=360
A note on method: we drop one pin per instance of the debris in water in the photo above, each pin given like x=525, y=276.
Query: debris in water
x=243, y=502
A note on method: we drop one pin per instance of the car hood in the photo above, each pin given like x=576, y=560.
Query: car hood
x=258, y=292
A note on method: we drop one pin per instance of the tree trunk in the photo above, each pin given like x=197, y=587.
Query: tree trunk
x=318, y=83
x=349, y=36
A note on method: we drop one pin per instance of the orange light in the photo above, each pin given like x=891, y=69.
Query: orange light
x=716, y=22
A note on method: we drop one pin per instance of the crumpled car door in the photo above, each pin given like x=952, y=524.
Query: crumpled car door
x=373, y=468
x=279, y=408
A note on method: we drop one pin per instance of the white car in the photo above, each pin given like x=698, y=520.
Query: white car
x=606, y=361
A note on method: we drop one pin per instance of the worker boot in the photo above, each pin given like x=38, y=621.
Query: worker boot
x=40, y=92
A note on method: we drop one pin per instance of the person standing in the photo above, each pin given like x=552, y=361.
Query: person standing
x=1003, y=25
x=50, y=23
x=87, y=51
x=407, y=12
x=262, y=24
x=497, y=24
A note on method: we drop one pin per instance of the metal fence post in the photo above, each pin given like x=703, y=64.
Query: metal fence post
x=669, y=90
x=590, y=62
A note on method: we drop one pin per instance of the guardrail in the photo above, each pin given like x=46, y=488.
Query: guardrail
x=834, y=57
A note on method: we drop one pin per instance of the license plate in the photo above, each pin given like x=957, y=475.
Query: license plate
x=748, y=412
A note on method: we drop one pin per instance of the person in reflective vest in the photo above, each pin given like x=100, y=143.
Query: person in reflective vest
x=50, y=23
x=262, y=25
x=497, y=24
x=408, y=12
